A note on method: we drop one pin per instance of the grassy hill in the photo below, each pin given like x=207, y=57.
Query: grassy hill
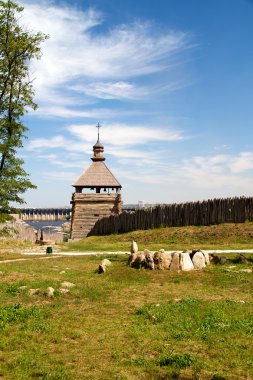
x=223, y=236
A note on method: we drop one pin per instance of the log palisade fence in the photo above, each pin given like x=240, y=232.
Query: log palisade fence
x=216, y=211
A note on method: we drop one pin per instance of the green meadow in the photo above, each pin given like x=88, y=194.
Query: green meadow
x=223, y=236
x=126, y=323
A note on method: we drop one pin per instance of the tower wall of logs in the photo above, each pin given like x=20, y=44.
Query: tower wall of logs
x=89, y=208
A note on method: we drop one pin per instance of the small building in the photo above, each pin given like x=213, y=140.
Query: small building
x=97, y=195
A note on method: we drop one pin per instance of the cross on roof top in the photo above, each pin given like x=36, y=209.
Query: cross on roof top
x=98, y=126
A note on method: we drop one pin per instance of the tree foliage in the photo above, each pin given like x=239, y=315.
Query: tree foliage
x=17, y=48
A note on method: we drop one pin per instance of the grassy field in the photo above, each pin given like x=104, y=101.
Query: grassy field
x=11, y=248
x=224, y=236
x=126, y=323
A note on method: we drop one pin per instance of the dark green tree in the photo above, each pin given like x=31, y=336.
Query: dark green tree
x=18, y=47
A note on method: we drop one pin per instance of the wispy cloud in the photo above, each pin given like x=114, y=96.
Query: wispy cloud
x=119, y=134
x=80, y=64
x=112, y=90
x=120, y=139
x=48, y=143
x=57, y=142
x=218, y=172
x=67, y=161
x=219, y=164
x=58, y=111
x=241, y=163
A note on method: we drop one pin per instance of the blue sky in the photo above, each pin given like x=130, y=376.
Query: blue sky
x=171, y=83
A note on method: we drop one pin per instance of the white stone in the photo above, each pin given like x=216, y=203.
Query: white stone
x=50, y=291
x=134, y=247
x=207, y=259
x=106, y=262
x=139, y=261
x=149, y=259
x=162, y=260
x=174, y=266
x=185, y=262
x=102, y=266
x=63, y=290
x=132, y=257
x=32, y=292
x=66, y=284
x=198, y=260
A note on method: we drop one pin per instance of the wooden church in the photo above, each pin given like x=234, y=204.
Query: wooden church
x=97, y=195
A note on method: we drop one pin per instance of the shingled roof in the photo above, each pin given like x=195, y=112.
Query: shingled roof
x=97, y=175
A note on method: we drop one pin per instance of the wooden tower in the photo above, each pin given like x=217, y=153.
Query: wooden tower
x=101, y=196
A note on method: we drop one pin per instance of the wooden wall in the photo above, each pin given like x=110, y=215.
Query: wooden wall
x=216, y=211
x=87, y=209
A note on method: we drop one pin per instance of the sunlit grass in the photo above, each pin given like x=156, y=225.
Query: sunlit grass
x=224, y=236
x=126, y=323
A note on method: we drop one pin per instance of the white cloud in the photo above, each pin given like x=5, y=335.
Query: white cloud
x=111, y=90
x=122, y=134
x=48, y=143
x=222, y=147
x=129, y=145
x=54, y=110
x=57, y=142
x=66, y=161
x=241, y=163
x=77, y=59
x=225, y=174
x=218, y=171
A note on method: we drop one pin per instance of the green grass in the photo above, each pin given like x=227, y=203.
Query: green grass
x=224, y=236
x=11, y=248
x=126, y=323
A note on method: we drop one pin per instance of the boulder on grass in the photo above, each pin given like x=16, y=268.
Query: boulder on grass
x=185, y=262
x=207, y=259
x=134, y=247
x=174, y=266
x=102, y=266
x=140, y=261
x=214, y=258
x=162, y=260
x=149, y=260
x=50, y=292
x=66, y=284
x=242, y=259
x=223, y=260
x=198, y=260
x=132, y=257
x=63, y=290
x=32, y=292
